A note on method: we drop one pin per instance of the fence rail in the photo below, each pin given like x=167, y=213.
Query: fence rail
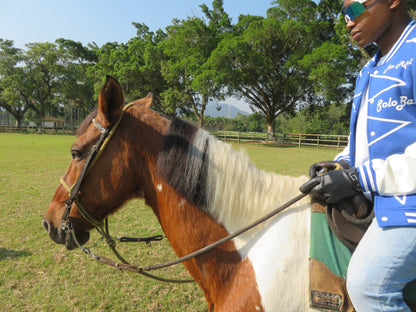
x=29, y=129
x=293, y=139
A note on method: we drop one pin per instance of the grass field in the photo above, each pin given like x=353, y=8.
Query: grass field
x=39, y=275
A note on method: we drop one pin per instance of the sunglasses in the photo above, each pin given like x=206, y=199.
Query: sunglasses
x=353, y=10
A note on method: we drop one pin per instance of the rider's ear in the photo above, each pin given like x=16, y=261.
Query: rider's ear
x=110, y=100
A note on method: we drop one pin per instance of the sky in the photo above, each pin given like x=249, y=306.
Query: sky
x=102, y=21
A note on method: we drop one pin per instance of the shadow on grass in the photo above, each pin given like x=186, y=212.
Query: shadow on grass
x=8, y=254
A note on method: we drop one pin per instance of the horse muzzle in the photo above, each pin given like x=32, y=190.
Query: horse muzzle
x=63, y=236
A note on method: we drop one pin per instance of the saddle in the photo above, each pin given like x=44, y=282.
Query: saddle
x=348, y=221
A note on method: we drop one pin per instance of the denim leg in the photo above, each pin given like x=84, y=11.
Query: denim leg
x=381, y=266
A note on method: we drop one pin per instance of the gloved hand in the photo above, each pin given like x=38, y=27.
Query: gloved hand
x=323, y=167
x=334, y=185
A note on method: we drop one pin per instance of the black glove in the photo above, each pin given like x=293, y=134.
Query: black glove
x=323, y=167
x=334, y=185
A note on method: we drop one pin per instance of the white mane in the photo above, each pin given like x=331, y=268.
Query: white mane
x=238, y=192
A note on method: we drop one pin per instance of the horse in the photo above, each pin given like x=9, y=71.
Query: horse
x=201, y=190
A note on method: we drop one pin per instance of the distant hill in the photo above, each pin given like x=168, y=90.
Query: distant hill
x=226, y=110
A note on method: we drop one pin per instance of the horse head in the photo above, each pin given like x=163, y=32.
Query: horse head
x=101, y=176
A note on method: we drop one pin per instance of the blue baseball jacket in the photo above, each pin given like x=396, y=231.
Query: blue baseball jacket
x=390, y=172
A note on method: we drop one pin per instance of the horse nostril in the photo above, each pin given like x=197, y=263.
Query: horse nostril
x=46, y=225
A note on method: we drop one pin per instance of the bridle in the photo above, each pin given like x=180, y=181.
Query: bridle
x=91, y=159
x=73, y=190
x=102, y=226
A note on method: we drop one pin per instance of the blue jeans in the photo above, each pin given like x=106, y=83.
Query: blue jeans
x=381, y=266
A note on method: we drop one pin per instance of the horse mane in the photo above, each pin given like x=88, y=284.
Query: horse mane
x=182, y=164
x=84, y=125
x=218, y=179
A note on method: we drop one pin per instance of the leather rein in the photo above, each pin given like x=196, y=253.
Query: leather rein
x=102, y=226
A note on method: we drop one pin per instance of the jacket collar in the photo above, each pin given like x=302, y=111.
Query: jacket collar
x=402, y=40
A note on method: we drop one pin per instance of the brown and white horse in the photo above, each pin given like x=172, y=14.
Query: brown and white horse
x=201, y=190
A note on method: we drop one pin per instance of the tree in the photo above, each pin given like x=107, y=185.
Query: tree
x=42, y=77
x=29, y=78
x=188, y=45
x=256, y=122
x=76, y=90
x=186, y=48
x=12, y=97
x=136, y=65
x=218, y=20
x=261, y=61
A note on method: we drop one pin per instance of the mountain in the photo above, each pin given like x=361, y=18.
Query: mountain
x=225, y=110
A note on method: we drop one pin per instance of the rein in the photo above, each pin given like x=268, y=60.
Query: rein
x=102, y=226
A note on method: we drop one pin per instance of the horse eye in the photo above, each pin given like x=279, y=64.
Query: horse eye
x=76, y=155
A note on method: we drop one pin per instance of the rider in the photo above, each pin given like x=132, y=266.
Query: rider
x=380, y=159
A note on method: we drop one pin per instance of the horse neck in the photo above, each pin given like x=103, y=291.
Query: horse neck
x=204, y=190
x=209, y=177
x=144, y=131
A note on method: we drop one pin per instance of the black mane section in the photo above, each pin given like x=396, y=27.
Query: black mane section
x=184, y=165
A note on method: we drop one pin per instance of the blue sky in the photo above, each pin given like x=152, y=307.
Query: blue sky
x=101, y=21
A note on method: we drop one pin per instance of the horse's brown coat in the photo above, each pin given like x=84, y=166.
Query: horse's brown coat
x=127, y=169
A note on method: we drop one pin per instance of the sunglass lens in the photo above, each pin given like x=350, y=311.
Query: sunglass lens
x=352, y=11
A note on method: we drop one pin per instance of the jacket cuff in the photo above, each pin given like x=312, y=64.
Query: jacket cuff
x=367, y=178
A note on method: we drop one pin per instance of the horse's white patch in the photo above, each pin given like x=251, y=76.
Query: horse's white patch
x=159, y=187
x=280, y=260
x=238, y=194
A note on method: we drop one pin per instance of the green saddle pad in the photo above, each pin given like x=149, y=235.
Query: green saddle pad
x=326, y=248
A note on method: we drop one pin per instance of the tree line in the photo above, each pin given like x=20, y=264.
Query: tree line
x=294, y=66
x=329, y=119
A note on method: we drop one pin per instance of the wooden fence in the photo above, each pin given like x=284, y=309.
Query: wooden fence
x=29, y=129
x=293, y=139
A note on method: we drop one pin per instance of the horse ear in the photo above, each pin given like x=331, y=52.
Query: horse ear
x=146, y=101
x=110, y=100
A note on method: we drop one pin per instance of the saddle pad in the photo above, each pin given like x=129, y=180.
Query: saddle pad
x=329, y=260
x=326, y=247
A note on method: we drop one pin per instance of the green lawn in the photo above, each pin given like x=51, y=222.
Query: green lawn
x=39, y=275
